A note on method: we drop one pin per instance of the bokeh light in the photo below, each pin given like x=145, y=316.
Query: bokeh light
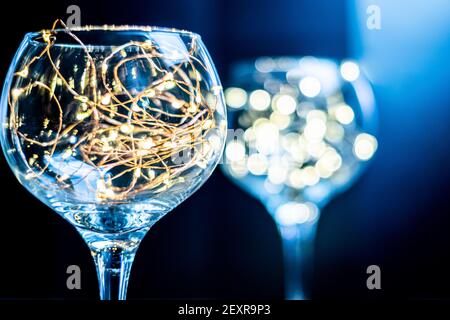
x=235, y=97
x=259, y=100
x=365, y=146
x=310, y=86
x=350, y=70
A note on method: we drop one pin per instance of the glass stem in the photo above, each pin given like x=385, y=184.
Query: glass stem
x=113, y=256
x=297, y=243
x=113, y=264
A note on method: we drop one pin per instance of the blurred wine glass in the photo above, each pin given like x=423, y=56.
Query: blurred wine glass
x=303, y=131
x=112, y=127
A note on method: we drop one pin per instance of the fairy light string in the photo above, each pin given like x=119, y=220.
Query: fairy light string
x=136, y=136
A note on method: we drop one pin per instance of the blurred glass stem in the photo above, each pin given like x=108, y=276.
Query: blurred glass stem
x=297, y=240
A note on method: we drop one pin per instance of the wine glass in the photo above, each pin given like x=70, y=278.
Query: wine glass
x=303, y=132
x=112, y=127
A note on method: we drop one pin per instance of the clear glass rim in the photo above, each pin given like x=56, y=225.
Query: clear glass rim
x=31, y=36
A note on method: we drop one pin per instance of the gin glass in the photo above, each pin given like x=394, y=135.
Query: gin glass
x=303, y=131
x=112, y=127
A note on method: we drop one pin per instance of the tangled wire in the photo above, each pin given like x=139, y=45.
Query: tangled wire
x=129, y=117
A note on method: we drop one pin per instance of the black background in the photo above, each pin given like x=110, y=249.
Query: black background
x=220, y=243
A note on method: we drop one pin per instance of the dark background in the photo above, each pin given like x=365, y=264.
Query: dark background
x=220, y=243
